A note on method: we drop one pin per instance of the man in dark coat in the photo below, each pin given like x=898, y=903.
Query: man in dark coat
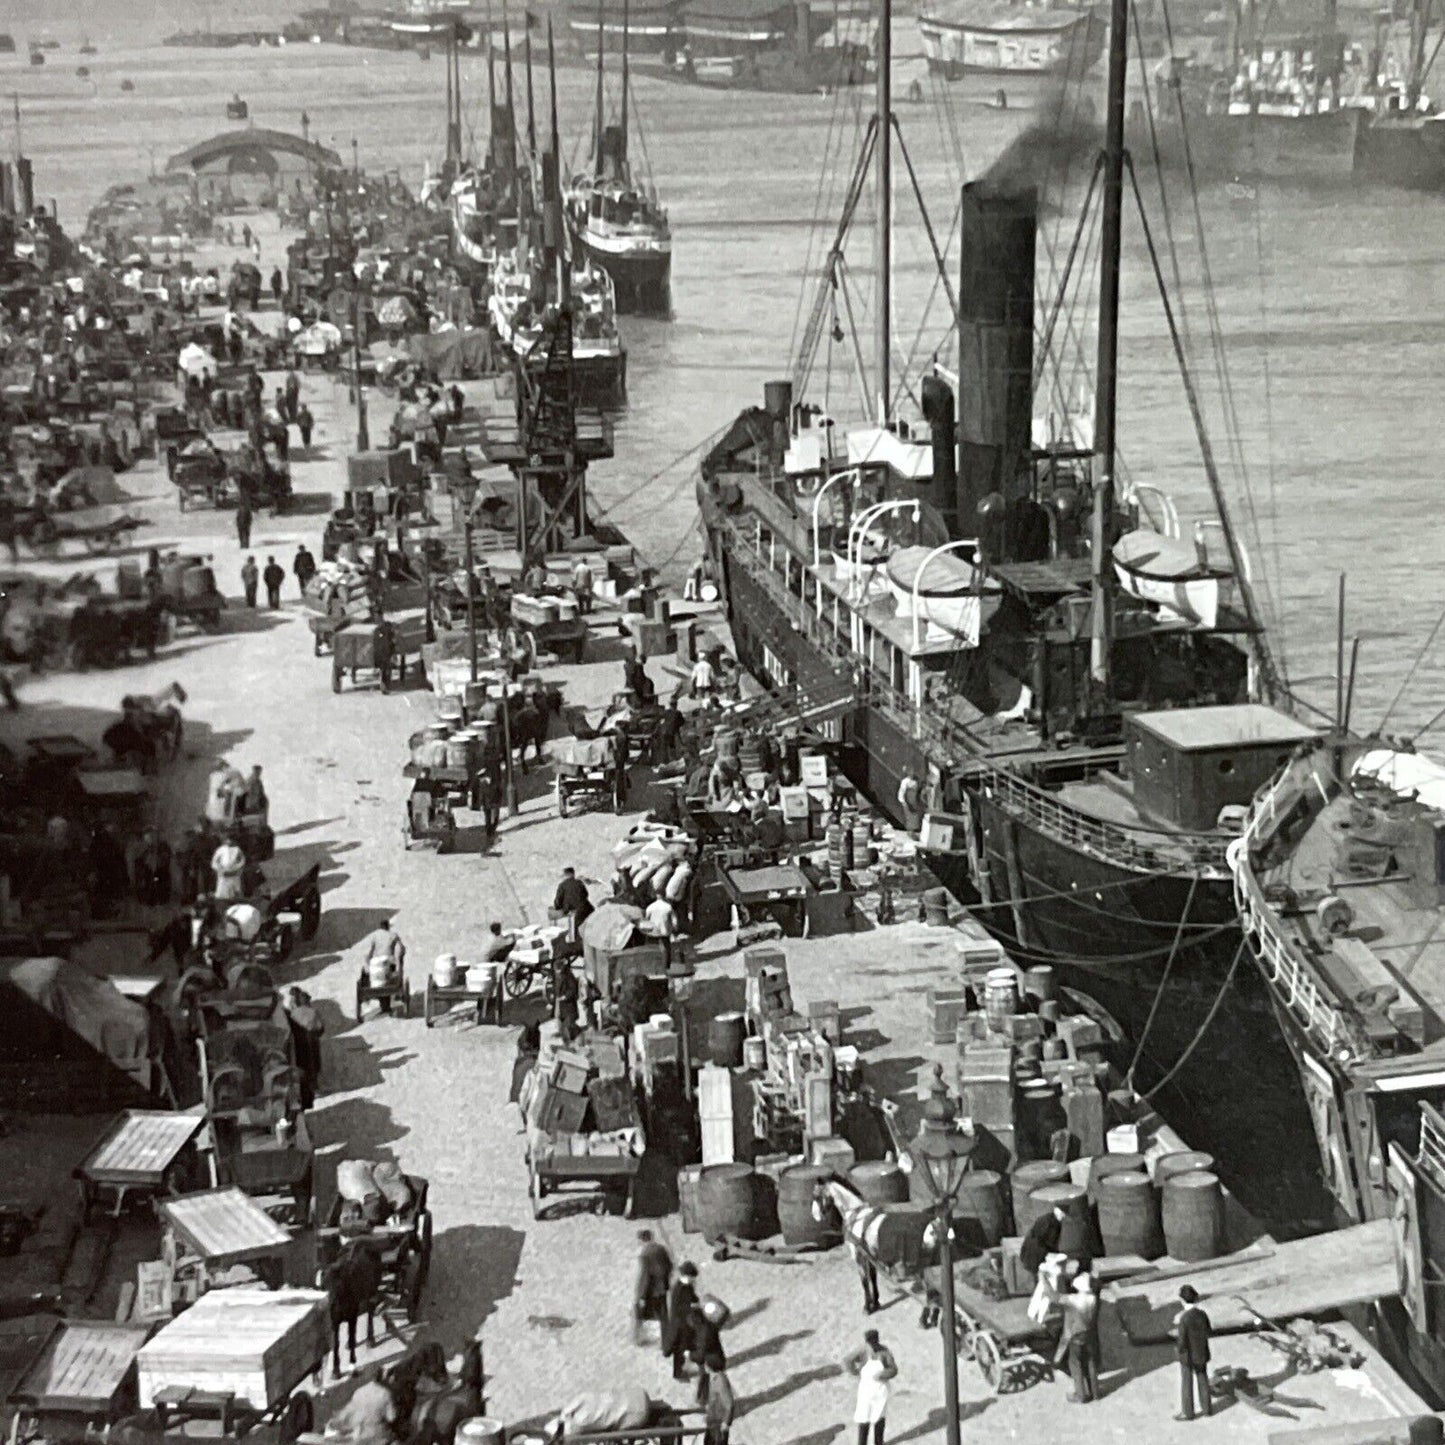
x=1042, y=1239
x=571, y=901
x=1191, y=1347
x=243, y=523
x=681, y=1311
x=489, y=791
x=304, y=567
x=706, y=1351
x=273, y=577
x=654, y=1275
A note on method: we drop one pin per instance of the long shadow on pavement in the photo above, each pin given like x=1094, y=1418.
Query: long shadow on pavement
x=474, y=1268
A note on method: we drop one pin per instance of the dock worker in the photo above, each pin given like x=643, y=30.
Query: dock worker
x=910, y=802
x=228, y=863
x=1191, y=1346
x=384, y=943
x=250, y=580
x=253, y=801
x=273, y=577
x=368, y=1417
x=582, y=585
x=571, y=901
x=704, y=678
x=499, y=944
x=654, y=1275
x=1079, y=1340
x=874, y=1366
x=304, y=567
x=681, y=1307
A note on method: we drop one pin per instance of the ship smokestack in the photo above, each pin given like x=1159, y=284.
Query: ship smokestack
x=995, y=349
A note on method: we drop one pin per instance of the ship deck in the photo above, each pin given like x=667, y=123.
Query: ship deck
x=1393, y=943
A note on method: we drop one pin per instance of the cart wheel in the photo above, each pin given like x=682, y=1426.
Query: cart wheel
x=988, y=1357
x=430, y=1000
x=336, y=679
x=516, y=980
x=297, y=1418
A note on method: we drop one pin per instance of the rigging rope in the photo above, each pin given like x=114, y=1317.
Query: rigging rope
x=1203, y=1028
x=1163, y=983
x=1420, y=657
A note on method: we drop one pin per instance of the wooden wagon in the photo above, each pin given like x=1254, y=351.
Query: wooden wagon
x=403, y=1245
x=80, y=1381
x=207, y=1234
x=144, y=1152
x=234, y=1362
x=607, y=1178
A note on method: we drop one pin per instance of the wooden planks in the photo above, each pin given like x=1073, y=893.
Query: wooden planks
x=255, y=1343
x=1303, y=1277
x=224, y=1226
x=139, y=1147
x=81, y=1365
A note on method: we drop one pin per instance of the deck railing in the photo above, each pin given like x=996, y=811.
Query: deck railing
x=1289, y=976
x=1432, y=1145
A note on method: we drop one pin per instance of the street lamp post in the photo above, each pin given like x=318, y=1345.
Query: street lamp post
x=942, y=1152
x=854, y=475
x=953, y=546
x=363, y=435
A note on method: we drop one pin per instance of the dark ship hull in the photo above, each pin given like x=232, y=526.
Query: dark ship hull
x=642, y=281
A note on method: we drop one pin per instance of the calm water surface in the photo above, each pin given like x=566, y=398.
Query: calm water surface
x=1330, y=305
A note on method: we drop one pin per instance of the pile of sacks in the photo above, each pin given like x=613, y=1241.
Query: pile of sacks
x=371, y=1194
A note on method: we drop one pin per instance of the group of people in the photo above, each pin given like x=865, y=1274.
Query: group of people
x=274, y=576
x=1059, y=1252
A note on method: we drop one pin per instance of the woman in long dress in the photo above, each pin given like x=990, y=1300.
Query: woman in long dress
x=874, y=1366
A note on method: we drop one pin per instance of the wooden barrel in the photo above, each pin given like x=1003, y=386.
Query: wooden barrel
x=1041, y=1114
x=727, y=1202
x=1129, y=1215
x=687, y=1180
x=1183, y=1161
x=1193, y=1214
x=1000, y=998
x=1104, y=1166
x=862, y=841
x=1024, y=1180
x=979, y=1212
x=879, y=1181
x=725, y=1035
x=834, y=836
x=797, y=1192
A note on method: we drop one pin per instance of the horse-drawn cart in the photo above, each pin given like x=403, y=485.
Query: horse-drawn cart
x=232, y=1365
x=403, y=1245
x=97, y=529
x=589, y=774
x=207, y=1234
x=608, y=1179
x=79, y=1383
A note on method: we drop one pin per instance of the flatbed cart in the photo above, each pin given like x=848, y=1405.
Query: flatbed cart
x=145, y=1153
x=389, y=995
x=778, y=891
x=43, y=532
x=230, y=1367
x=442, y=999
x=79, y=1383
x=604, y=1177
x=430, y=818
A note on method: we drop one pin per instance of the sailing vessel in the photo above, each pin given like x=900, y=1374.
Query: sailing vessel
x=1340, y=881
x=652, y=30
x=999, y=37
x=1088, y=717
x=615, y=220
x=768, y=45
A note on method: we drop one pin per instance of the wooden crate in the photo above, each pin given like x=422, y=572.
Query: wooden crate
x=715, y=1114
x=257, y=1344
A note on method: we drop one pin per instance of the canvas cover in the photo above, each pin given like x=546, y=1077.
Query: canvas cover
x=91, y=1008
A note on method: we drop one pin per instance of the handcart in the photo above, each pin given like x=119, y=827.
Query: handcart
x=442, y=998
x=389, y=995
x=97, y=529
x=79, y=1383
x=778, y=891
x=429, y=816
x=144, y=1152
x=232, y=1363
x=609, y=1179
x=368, y=648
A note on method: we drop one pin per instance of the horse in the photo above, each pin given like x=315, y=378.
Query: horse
x=148, y=730
x=425, y=1398
x=352, y=1282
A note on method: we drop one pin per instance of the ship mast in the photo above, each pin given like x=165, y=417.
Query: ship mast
x=1106, y=399
x=884, y=144
x=511, y=107
x=454, y=104
x=622, y=159
x=531, y=105
x=551, y=187
x=597, y=123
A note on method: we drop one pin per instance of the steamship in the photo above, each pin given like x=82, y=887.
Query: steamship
x=1087, y=718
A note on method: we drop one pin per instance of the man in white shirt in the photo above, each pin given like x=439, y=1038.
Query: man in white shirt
x=228, y=863
x=582, y=585
x=703, y=677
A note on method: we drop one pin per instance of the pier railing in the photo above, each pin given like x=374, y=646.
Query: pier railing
x=1289, y=976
